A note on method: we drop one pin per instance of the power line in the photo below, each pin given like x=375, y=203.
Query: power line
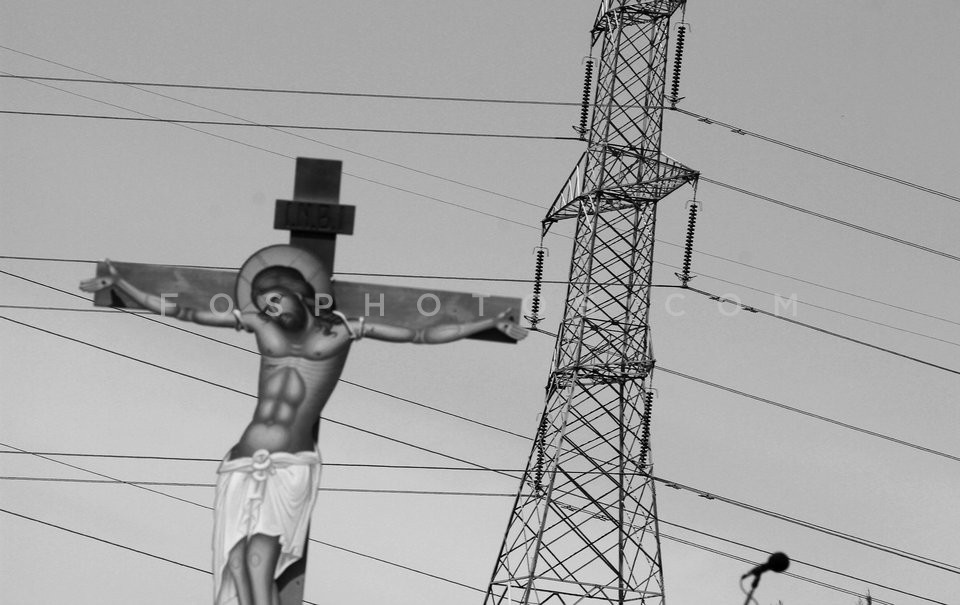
x=492, y=135
x=804, y=281
x=410, y=401
x=662, y=521
x=345, y=173
x=147, y=317
x=823, y=331
x=713, y=536
x=807, y=564
x=743, y=132
x=352, y=490
x=809, y=414
x=672, y=484
x=218, y=460
x=290, y=90
x=245, y=394
x=564, y=282
x=923, y=560
x=116, y=544
x=197, y=504
x=832, y=219
x=715, y=182
x=699, y=117
x=235, y=117
x=750, y=562
x=831, y=310
x=835, y=533
x=517, y=280
x=831, y=532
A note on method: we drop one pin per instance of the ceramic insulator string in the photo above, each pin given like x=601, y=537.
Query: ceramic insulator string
x=688, y=245
x=585, y=102
x=677, y=63
x=645, y=434
x=534, y=317
x=541, y=437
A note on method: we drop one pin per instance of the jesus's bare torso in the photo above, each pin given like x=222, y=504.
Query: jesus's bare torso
x=298, y=372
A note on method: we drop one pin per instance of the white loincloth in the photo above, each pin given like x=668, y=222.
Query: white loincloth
x=270, y=494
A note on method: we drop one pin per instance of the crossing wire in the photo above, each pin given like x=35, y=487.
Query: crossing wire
x=327, y=544
x=699, y=117
x=283, y=90
x=560, y=282
x=467, y=208
x=159, y=120
x=662, y=535
x=831, y=219
x=715, y=182
x=204, y=506
x=506, y=431
x=823, y=330
x=235, y=117
x=809, y=525
x=935, y=251
x=351, y=490
x=743, y=132
x=805, y=563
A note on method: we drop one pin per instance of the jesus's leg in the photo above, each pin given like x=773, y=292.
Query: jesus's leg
x=262, y=554
x=237, y=565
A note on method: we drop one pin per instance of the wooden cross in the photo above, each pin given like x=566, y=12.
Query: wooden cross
x=314, y=218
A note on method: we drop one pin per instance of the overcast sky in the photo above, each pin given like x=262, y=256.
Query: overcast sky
x=873, y=83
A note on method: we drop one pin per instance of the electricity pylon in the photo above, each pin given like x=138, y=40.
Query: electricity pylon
x=584, y=523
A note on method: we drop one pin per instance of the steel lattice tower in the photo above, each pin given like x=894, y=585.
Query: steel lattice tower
x=584, y=523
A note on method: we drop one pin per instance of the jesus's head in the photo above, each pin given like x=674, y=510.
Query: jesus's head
x=283, y=295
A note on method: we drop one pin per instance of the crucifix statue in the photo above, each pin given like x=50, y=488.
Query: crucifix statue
x=305, y=323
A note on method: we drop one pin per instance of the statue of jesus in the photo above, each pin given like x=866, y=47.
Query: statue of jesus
x=267, y=483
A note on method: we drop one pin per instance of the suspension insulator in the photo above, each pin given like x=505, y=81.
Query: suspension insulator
x=684, y=274
x=585, y=102
x=534, y=317
x=541, y=438
x=645, y=429
x=677, y=63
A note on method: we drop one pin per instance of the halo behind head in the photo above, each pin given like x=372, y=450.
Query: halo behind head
x=289, y=264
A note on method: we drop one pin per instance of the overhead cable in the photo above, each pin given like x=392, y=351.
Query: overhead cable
x=662, y=535
x=823, y=331
x=289, y=91
x=236, y=117
x=669, y=483
x=743, y=132
x=384, y=393
x=831, y=219
x=699, y=117
x=492, y=135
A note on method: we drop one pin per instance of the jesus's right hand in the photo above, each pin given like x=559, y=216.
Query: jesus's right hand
x=101, y=282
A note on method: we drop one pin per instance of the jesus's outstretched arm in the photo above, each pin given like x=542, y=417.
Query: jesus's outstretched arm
x=437, y=334
x=159, y=303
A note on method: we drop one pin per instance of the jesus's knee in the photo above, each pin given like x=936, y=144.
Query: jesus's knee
x=261, y=551
x=237, y=557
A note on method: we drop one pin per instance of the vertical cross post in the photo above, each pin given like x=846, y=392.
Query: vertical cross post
x=314, y=218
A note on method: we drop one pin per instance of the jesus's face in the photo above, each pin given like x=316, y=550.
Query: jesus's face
x=283, y=307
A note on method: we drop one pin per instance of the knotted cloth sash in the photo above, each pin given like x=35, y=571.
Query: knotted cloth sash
x=267, y=493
